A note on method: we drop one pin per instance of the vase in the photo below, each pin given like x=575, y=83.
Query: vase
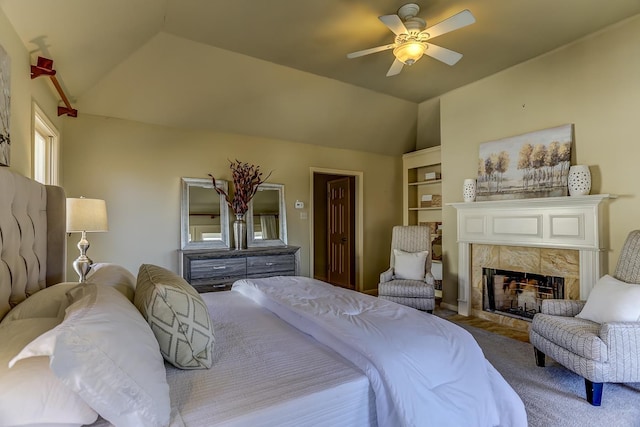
x=469, y=190
x=579, y=180
x=240, y=232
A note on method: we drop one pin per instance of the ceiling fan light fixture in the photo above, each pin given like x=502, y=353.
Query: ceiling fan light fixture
x=413, y=39
x=409, y=52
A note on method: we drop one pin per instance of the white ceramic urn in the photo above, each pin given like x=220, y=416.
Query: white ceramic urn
x=579, y=180
x=469, y=190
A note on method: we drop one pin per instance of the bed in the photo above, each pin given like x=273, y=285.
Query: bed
x=285, y=351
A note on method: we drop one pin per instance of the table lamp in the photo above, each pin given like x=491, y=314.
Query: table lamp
x=85, y=216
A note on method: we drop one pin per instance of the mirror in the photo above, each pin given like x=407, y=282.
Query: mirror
x=204, y=215
x=267, y=217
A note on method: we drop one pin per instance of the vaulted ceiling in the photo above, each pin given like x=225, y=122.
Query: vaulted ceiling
x=245, y=42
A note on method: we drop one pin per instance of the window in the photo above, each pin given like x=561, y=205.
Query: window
x=45, y=148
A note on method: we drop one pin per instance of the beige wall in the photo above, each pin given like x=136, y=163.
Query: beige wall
x=137, y=167
x=23, y=92
x=428, y=124
x=196, y=86
x=593, y=84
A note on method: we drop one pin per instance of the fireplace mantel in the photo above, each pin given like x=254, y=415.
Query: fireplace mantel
x=551, y=222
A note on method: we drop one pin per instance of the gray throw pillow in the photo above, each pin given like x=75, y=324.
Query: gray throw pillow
x=178, y=317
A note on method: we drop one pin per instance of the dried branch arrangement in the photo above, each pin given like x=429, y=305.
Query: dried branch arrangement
x=246, y=179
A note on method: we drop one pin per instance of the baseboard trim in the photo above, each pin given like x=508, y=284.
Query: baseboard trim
x=449, y=306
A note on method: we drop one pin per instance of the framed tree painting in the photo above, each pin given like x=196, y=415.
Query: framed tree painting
x=534, y=164
x=5, y=104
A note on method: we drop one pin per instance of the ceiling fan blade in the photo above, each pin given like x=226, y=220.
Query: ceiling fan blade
x=459, y=20
x=447, y=56
x=395, y=68
x=394, y=23
x=370, y=51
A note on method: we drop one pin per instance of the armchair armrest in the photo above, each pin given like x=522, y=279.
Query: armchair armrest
x=624, y=334
x=623, y=347
x=429, y=279
x=562, y=307
x=386, y=276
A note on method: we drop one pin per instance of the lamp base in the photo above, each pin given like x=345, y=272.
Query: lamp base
x=82, y=265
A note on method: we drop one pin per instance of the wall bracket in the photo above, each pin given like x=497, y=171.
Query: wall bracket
x=44, y=67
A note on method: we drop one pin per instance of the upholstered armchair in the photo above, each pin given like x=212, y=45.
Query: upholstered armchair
x=408, y=280
x=600, y=352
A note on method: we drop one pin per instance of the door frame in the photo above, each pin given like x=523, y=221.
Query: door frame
x=359, y=219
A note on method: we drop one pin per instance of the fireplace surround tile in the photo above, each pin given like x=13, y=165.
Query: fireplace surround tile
x=518, y=258
x=560, y=262
x=546, y=261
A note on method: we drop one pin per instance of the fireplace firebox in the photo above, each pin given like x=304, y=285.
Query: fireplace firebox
x=518, y=294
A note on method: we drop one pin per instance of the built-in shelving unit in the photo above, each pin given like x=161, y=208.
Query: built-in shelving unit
x=416, y=167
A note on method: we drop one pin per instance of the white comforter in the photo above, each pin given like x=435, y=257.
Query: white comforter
x=423, y=369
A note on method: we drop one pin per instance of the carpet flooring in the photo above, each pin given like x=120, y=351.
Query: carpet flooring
x=554, y=396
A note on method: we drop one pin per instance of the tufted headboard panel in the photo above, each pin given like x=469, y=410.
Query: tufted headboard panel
x=32, y=237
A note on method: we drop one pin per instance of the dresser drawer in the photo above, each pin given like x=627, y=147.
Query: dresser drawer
x=261, y=266
x=215, y=270
x=271, y=274
x=213, y=287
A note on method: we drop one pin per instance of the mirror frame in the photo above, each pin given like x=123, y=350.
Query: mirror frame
x=282, y=219
x=224, y=243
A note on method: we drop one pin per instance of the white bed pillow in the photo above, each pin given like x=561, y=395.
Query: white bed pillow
x=612, y=300
x=48, y=302
x=30, y=394
x=105, y=351
x=52, y=301
x=409, y=265
x=115, y=276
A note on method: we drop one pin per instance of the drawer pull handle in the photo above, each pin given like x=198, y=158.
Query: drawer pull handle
x=219, y=267
x=268, y=263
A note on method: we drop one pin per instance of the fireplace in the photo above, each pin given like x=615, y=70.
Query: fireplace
x=549, y=233
x=518, y=294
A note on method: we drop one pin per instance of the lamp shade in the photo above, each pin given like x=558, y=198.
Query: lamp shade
x=409, y=52
x=86, y=215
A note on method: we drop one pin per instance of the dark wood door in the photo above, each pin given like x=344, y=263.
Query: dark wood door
x=339, y=233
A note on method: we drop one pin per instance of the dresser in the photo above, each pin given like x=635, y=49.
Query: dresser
x=217, y=269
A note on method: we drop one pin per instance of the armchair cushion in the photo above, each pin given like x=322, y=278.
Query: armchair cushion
x=612, y=300
x=406, y=288
x=410, y=265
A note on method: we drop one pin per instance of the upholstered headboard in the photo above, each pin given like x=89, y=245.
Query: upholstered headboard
x=32, y=237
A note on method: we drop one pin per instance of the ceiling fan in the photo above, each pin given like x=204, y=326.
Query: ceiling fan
x=411, y=37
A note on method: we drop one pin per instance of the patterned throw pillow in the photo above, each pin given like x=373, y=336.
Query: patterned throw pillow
x=178, y=317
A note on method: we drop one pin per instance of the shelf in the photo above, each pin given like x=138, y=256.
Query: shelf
x=435, y=208
x=435, y=181
x=414, y=186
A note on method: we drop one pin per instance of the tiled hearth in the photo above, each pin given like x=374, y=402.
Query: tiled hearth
x=555, y=236
x=544, y=261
